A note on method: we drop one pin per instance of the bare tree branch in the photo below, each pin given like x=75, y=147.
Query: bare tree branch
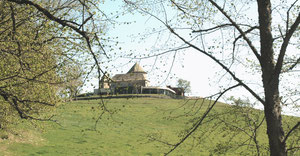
x=209, y=55
x=219, y=63
x=162, y=53
x=239, y=29
x=294, y=64
x=289, y=133
x=288, y=15
x=213, y=28
x=284, y=45
x=195, y=127
x=240, y=36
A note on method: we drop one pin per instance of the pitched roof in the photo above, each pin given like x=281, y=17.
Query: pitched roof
x=129, y=77
x=136, y=68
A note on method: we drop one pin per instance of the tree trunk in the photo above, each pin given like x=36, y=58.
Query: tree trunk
x=272, y=111
x=272, y=106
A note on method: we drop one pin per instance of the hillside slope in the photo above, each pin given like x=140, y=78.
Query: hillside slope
x=145, y=126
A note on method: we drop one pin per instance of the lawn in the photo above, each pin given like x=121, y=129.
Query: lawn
x=137, y=126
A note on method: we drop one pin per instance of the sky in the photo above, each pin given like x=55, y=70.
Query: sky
x=188, y=65
x=191, y=65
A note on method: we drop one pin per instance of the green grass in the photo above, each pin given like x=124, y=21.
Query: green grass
x=136, y=126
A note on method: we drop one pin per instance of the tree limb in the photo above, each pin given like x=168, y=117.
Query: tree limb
x=219, y=63
x=289, y=133
x=213, y=28
x=295, y=64
x=51, y=17
x=240, y=36
x=195, y=127
x=207, y=54
x=288, y=15
x=284, y=45
x=239, y=29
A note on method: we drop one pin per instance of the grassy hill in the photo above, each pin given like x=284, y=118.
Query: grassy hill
x=141, y=126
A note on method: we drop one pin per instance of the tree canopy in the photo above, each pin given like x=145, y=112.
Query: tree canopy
x=38, y=40
x=185, y=84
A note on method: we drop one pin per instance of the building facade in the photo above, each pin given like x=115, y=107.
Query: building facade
x=131, y=82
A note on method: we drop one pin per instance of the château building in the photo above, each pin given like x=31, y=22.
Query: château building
x=133, y=82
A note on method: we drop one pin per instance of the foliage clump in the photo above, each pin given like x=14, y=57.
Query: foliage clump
x=42, y=49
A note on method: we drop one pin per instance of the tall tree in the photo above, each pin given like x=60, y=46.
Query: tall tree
x=256, y=53
x=37, y=39
x=27, y=64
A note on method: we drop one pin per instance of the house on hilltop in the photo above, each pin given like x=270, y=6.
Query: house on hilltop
x=133, y=82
